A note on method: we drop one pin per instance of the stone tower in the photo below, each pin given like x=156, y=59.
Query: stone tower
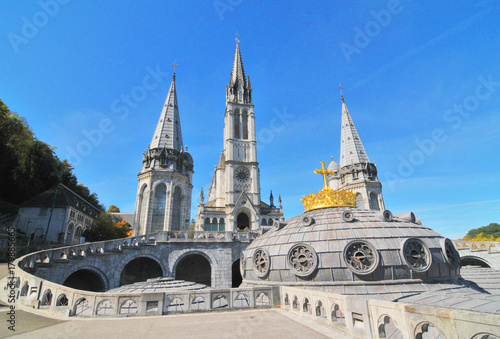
x=165, y=182
x=234, y=201
x=355, y=172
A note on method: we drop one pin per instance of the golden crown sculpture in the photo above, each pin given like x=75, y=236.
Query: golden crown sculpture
x=328, y=197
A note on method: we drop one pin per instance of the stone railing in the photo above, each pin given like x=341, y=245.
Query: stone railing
x=371, y=318
x=52, y=298
x=490, y=246
x=211, y=236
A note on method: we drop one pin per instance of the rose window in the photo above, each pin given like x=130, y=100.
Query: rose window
x=261, y=262
x=361, y=257
x=302, y=259
x=451, y=253
x=416, y=255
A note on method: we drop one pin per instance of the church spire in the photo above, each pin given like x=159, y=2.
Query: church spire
x=239, y=89
x=168, y=130
x=351, y=148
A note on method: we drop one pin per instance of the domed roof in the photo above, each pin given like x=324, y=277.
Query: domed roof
x=333, y=246
x=333, y=166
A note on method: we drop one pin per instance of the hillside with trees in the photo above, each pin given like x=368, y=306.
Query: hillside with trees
x=29, y=166
x=485, y=233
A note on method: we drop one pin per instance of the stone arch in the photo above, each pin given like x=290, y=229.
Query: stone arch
x=177, y=203
x=62, y=300
x=471, y=260
x=374, y=203
x=140, y=269
x=159, y=207
x=306, y=305
x=337, y=315
x=320, y=309
x=25, y=289
x=124, y=260
x=237, y=279
x=387, y=328
x=427, y=330
x=484, y=335
x=264, y=222
x=47, y=298
x=175, y=259
x=92, y=267
x=207, y=226
x=262, y=300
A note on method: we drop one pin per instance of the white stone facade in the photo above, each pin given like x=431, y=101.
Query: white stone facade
x=165, y=182
x=355, y=172
x=234, y=201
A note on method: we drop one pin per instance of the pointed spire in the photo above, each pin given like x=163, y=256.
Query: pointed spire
x=351, y=148
x=280, y=203
x=239, y=89
x=168, y=130
x=271, y=199
x=237, y=73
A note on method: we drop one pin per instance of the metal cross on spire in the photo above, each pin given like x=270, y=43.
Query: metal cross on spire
x=324, y=172
x=237, y=38
x=341, y=88
x=175, y=65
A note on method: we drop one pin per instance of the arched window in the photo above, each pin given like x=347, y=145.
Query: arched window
x=374, y=201
x=264, y=222
x=143, y=206
x=236, y=124
x=160, y=199
x=214, y=224
x=69, y=234
x=270, y=222
x=222, y=225
x=78, y=234
x=359, y=201
x=176, y=209
x=206, y=224
x=244, y=123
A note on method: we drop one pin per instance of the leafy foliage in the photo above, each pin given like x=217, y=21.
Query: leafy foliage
x=103, y=229
x=485, y=233
x=29, y=166
x=123, y=229
x=113, y=209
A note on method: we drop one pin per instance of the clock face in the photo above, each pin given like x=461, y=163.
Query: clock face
x=242, y=174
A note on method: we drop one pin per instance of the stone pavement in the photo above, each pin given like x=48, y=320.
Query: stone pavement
x=270, y=324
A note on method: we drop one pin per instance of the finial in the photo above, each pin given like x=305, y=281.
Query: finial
x=332, y=157
x=341, y=88
x=175, y=66
x=237, y=38
x=186, y=148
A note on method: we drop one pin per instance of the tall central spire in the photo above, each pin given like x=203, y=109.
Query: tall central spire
x=168, y=130
x=239, y=89
x=351, y=148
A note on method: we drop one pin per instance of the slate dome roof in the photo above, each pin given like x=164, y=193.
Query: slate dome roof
x=347, y=245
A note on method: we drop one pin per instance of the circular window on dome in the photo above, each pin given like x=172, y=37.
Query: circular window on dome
x=361, y=257
x=417, y=255
x=302, y=260
x=450, y=253
x=242, y=264
x=261, y=262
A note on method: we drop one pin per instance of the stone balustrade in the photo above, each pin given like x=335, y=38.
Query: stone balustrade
x=490, y=246
x=372, y=318
x=46, y=296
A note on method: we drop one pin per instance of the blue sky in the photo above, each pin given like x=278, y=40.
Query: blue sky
x=421, y=81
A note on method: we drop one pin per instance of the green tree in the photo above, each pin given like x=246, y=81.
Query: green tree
x=485, y=233
x=103, y=228
x=113, y=209
x=29, y=166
